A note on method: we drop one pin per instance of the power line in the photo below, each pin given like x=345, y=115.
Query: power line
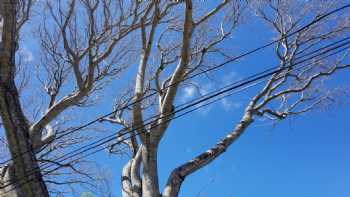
x=194, y=75
x=253, y=77
x=218, y=92
x=205, y=99
x=120, y=141
x=341, y=41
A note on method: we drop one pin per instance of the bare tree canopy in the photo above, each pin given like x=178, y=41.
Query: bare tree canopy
x=81, y=76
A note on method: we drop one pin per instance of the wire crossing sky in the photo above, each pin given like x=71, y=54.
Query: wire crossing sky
x=100, y=87
x=248, y=82
x=210, y=69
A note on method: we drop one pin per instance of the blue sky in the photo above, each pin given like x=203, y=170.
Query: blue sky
x=305, y=157
x=301, y=156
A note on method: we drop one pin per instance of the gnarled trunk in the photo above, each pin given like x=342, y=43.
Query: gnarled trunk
x=21, y=177
x=23, y=173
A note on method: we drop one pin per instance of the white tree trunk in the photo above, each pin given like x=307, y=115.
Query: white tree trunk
x=150, y=186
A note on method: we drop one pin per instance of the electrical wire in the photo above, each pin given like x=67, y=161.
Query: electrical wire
x=193, y=76
x=215, y=93
x=252, y=77
x=210, y=97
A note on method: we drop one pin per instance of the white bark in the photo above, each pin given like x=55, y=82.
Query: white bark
x=179, y=174
x=135, y=174
x=126, y=180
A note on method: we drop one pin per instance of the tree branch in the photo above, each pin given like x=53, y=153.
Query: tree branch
x=179, y=174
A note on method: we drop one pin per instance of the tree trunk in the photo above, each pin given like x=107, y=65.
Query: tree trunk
x=126, y=180
x=27, y=176
x=22, y=177
x=131, y=179
x=150, y=186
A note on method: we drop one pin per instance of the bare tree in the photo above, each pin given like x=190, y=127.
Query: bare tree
x=82, y=42
x=85, y=45
x=185, y=45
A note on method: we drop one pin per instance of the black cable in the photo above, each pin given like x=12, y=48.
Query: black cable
x=183, y=104
x=255, y=75
x=249, y=79
x=326, y=46
x=274, y=42
x=252, y=77
x=133, y=135
x=211, y=96
x=192, y=76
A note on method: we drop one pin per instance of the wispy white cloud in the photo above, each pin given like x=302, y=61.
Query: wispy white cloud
x=188, y=93
x=206, y=88
x=226, y=103
x=203, y=88
x=229, y=105
x=192, y=91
